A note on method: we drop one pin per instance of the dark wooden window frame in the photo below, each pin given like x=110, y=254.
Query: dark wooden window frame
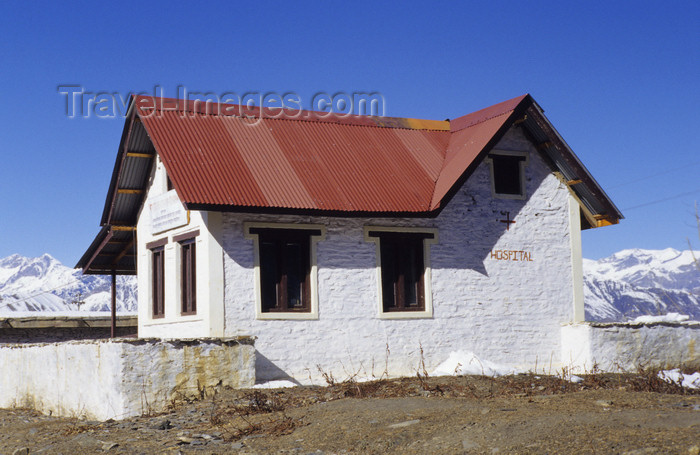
x=508, y=173
x=188, y=276
x=402, y=282
x=277, y=273
x=185, y=236
x=157, y=243
x=158, y=280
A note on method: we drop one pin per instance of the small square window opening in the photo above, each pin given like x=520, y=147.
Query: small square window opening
x=507, y=171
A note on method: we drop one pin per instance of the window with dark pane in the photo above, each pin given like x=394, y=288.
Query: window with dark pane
x=285, y=268
x=158, y=284
x=402, y=270
x=188, y=279
x=268, y=274
x=507, y=174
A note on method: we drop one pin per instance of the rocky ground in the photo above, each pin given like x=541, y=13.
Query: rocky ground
x=606, y=414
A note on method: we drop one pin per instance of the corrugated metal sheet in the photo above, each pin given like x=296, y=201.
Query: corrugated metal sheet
x=487, y=113
x=113, y=250
x=311, y=161
x=261, y=159
x=350, y=164
x=465, y=146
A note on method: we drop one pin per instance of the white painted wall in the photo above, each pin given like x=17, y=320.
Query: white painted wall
x=505, y=311
x=208, y=322
x=119, y=378
x=617, y=347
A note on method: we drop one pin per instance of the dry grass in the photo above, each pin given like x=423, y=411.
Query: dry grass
x=242, y=417
x=258, y=412
x=81, y=428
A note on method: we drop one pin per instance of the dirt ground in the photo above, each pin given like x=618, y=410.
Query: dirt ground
x=606, y=414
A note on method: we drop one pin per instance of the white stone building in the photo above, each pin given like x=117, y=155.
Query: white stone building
x=351, y=245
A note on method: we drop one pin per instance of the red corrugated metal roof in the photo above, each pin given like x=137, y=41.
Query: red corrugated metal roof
x=228, y=157
x=485, y=114
x=315, y=161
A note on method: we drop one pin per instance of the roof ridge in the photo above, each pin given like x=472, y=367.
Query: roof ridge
x=195, y=107
x=376, y=125
x=487, y=113
x=482, y=120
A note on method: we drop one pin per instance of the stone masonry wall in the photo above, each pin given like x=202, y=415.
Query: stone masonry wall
x=618, y=347
x=506, y=311
x=120, y=378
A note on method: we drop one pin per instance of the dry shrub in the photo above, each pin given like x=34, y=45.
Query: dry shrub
x=352, y=389
x=327, y=376
x=530, y=385
x=255, y=413
x=252, y=403
x=77, y=429
x=596, y=379
x=278, y=425
x=261, y=403
x=648, y=380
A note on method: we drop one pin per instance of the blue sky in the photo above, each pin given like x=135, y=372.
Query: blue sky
x=619, y=80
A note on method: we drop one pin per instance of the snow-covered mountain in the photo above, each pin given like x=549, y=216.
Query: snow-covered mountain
x=626, y=285
x=43, y=284
x=632, y=283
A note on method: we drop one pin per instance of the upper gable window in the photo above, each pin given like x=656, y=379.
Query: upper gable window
x=508, y=174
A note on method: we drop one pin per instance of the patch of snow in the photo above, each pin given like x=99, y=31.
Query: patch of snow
x=279, y=384
x=462, y=363
x=689, y=381
x=669, y=317
x=364, y=379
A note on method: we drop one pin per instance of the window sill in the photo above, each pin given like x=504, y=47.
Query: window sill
x=163, y=321
x=521, y=197
x=286, y=316
x=406, y=315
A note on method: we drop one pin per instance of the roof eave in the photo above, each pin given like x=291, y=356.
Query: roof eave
x=579, y=180
x=118, y=165
x=309, y=211
x=117, y=261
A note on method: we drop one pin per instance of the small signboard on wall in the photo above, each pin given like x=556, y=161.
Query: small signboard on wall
x=167, y=212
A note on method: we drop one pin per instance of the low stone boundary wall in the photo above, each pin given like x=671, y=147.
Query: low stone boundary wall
x=114, y=379
x=619, y=347
x=51, y=329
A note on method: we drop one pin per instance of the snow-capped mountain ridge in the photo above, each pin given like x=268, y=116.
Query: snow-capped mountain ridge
x=44, y=284
x=623, y=286
x=638, y=282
